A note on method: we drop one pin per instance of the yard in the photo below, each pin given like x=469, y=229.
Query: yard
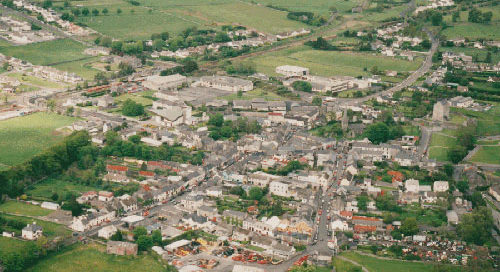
x=35, y=81
x=439, y=145
x=23, y=137
x=51, y=230
x=92, y=257
x=257, y=93
x=9, y=245
x=331, y=63
x=21, y=208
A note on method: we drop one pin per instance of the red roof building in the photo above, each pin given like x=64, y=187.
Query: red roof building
x=146, y=173
x=116, y=168
x=361, y=229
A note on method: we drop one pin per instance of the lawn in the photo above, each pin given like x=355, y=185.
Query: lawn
x=439, y=145
x=488, y=122
x=23, y=137
x=46, y=53
x=36, y=81
x=320, y=7
x=51, y=230
x=438, y=153
x=45, y=189
x=378, y=265
x=9, y=245
x=330, y=63
x=21, y=208
x=137, y=97
x=465, y=29
x=343, y=266
x=487, y=154
x=442, y=140
x=257, y=93
x=92, y=257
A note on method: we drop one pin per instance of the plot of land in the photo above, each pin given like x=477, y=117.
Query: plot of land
x=84, y=258
x=257, y=93
x=330, y=63
x=9, y=245
x=488, y=123
x=51, y=230
x=23, y=137
x=35, y=81
x=487, y=154
x=321, y=7
x=465, y=29
x=21, y=208
x=378, y=265
x=440, y=143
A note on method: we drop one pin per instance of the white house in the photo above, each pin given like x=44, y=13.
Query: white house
x=412, y=185
x=50, y=206
x=280, y=188
x=32, y=231
x=441, y=186
x=225, y=83
x=164, y=82
x=107, y=232
x=214, y=191
x=292, y=71
x=339, y=225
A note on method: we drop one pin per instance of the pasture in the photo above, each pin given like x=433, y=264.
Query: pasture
x=331, y=63
x=487, y=154
x=320, y=7
x=92, y=257
x=379, y=265
x=23, y=137
x=51, y=230
x=45, y=189
x=464, y=29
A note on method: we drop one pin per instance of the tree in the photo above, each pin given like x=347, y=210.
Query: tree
x=118, y=11
x=95, y=12
x=117, y=236
x=409, y=226
x=436, y=18
x=378, y=133
x=255, y=193
x=362, y=202
x=156, y=237
x=47, y=4
x=216, y=120
x=457, y=153
x=488, y=58
x=302, y=86
x=132, y=108
x=105, y=11
x=237, y=190
x=139, y=231
x=476, y=226
x=158, y=44
x=85, y=12
x=317, y=101
x=144, y=242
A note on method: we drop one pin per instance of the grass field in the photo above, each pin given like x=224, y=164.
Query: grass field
x=378, y=265
x=488, y=123
x=439, y=145
x=257, y=93
x=23, y=137
x=38, y=82
x=343, y=266
x=320, y=7
x=92, y=257
x=51, y=230
x=487, y=154
x=45, y=189
x=330, y=63
x=21, y=208
x=79, y=67
x=137, y=97
x=465, y=29
x=9, y=245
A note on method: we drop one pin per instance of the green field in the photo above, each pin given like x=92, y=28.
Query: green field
x=9, y=245
x=21, y=208
x=257, y=93
x=465, y=29
x=316, y=6
x=46, y=53
x=330, y=63
x=343, y=266
x=35, y=81
x=79, y=67
x=23, y=137
x=487, y=154
x=137, y=97
x=45, y=189
x=379, y=265
x=488, y=123
x=91, y=257
x=439, y=145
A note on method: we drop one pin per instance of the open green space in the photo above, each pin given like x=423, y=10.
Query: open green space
x=439, y=145
x=343, y=266
x=487, y=154
x=9, y=245
x=45, y=189
x=46, y=53
x=21, y=208
x=23, y=137
x=438, y=153
x=137, y=97
x=92, y=257
x=465, y=29
x=488, y=122
x=80, y=67
x=380, y=265
x=36, y=81
x=330, y=63
x=321, y=7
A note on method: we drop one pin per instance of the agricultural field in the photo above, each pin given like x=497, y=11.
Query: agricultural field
x=51, y=230
x=331, y=63
x=45, y=189
x=488, y=123
x=465, y=29
x=28, y=80
x=379, y=265
x=439, y=145
x=23, y=137
x=21, y=208
x=92, y=257
x=320, y=7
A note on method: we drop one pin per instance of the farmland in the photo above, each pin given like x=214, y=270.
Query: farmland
x=45, y=189
x=51, y=230
x=91, y=257
x=330, y=63
x=487, y=154
x=319, y=6
x=23, y=137
x=465, y=29
x=378, y=265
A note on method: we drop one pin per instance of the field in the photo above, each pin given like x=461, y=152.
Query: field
x=79, y=67
x=343, y=266
x=465, y=29
x=487, y=154
x=320, y=7
x=439, y=146
x=45, y=189
x=488, y=123
x=137, y=97
x=257, y=93
x=23, y=137
x=91, y=257
x=35, y=81
x=378, y=265
x=21, y=208
x=330, y=63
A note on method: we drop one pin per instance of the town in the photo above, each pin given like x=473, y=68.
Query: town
x=345, y=136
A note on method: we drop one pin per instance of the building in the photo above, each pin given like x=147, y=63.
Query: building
x=441, y=111
x=50, y=206
x=412, y=185
x=105, y=196
x=441, y=186
x=292, y=71
x=163, y=83
x=225, y=83
x=121, y=248
x=32, y=231
x=107, y=232
x=280, y=188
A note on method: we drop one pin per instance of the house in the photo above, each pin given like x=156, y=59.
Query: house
x=163, y=83
x=50, y=206
x=339, y=225
x=86, y=197
x=86, y=222
x=225, y=83
x=292, y=71
x=32, y=231
x=494, y=191
x=240, y=234
x=121, y=248
x=412, y=186
x=215, y=191
x=280, y=188
x=441, y=186
x=452, y=217
x=105, y=196
x=107, y=232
